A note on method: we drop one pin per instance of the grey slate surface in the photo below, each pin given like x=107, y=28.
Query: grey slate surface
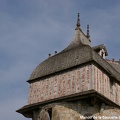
x=71, y=58
x=63, y=60
x=77, y=53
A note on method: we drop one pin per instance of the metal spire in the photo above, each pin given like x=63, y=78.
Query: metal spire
x=78, y=21
x=88, y=32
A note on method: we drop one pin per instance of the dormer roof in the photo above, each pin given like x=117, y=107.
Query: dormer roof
x=100, y=47
x=114, y=64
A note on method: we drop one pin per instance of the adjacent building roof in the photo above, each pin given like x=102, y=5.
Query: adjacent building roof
x=115, y=64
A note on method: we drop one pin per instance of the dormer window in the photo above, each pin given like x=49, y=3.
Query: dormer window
x=101, y=50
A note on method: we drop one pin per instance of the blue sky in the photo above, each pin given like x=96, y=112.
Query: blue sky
x=31, y=29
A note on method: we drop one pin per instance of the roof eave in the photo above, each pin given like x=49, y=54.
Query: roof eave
x=27, y=110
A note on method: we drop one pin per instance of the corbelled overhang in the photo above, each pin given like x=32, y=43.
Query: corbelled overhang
x=27, y=110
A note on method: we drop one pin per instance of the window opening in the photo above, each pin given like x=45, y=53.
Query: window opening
x=50, y=113
x=111, y=85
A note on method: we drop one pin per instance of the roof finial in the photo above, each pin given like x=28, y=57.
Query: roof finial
x=88, y=32
x=78, y=21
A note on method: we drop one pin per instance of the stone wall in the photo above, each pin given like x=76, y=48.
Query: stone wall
x=77, y=110
x=63, y=113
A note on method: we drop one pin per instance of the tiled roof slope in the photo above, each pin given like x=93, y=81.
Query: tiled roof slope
x=70, y=57
x=76, y=53
x=62, y=61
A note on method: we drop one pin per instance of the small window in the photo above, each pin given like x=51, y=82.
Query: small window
x=111, y=86
x=102, y=54
x=50, y=113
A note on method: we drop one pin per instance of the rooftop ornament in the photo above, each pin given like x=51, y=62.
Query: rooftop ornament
x=78, y=22
x=88, y=32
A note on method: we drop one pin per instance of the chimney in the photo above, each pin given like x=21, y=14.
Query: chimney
x=49, y=55
x=55, y=52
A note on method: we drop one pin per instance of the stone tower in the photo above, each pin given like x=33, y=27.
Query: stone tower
x=77, y=83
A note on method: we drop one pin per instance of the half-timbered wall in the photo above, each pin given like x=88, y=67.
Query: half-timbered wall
x=71, y=82
x=75, y=81
x=105, y=85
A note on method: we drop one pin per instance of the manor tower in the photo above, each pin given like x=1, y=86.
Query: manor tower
x=74, y=84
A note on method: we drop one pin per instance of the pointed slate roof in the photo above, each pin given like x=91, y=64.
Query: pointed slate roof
x=77, y=53
x=79, y=38
x=66, y=58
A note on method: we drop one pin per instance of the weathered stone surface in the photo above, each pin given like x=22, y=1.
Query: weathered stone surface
x=64, y=113
x=44, y=115
x=78, y=110
x=110, y=113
